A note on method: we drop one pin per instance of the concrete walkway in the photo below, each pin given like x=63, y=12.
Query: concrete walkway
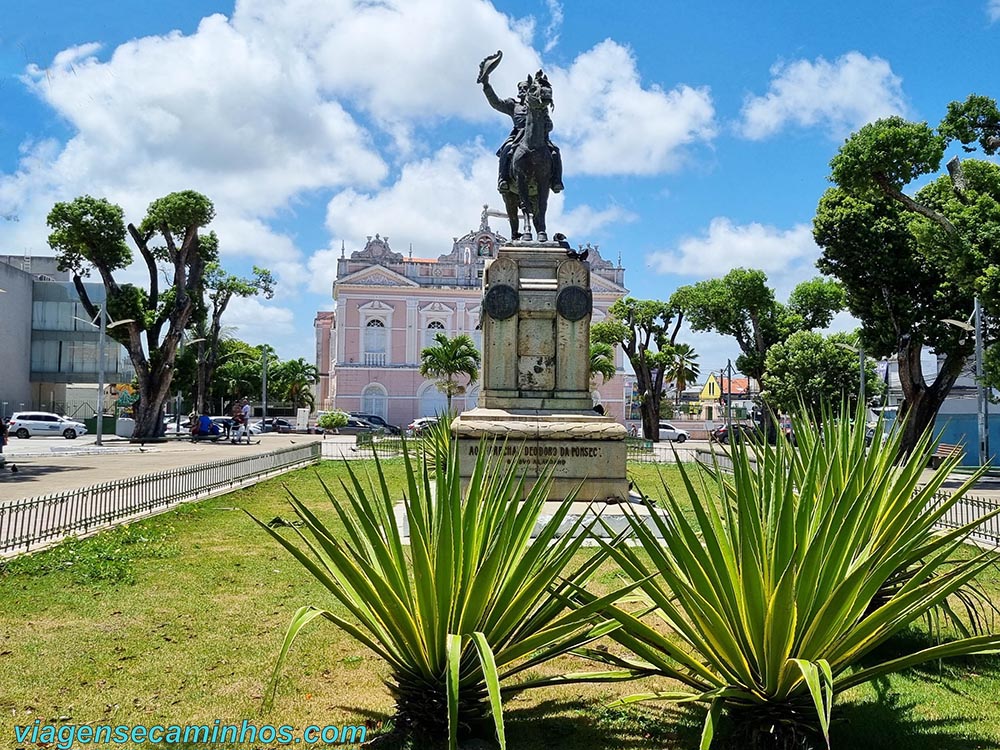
x=46, y=466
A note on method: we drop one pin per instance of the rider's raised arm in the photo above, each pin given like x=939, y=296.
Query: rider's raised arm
x=500, y=105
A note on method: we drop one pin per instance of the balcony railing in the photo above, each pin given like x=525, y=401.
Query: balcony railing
x=374, y=359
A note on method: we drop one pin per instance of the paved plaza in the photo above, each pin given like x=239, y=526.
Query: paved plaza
x=50, y=465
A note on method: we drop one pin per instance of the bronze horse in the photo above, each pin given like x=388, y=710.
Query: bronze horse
x=532, y=163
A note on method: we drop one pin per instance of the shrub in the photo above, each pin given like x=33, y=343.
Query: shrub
x=480, y=602
x=331, y=420
x=766, y=595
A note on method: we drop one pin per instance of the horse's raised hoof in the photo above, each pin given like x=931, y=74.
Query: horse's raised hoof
x=543, y=237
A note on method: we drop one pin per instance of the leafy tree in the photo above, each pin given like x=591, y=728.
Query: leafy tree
x=817, y=371
x=293, y=381
x=237, y=372
x=683, y=369
x=743, y=306
x=448, y=359
x=89, y=234
x=947, y=237
x=640, y=327
x=602, y=361
x=218, y=290
x=975, y=119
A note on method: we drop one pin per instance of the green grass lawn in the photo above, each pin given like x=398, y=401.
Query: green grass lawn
x=178, y=619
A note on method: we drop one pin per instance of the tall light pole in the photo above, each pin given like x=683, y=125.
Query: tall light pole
x=263, y=390
x=982, y=403
x=103, y=327
x=861, y=373
x=729, y=393
x=177, y=398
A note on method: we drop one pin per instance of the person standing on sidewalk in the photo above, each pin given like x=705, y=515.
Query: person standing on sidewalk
x=244, y=428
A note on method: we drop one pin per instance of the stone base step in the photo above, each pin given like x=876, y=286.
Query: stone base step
x=612, y=515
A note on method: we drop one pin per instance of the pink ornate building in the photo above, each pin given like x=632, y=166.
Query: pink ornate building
x=388, y=308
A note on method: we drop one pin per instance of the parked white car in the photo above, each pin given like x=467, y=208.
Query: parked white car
x=669, y=432
x=26, y=424
x=418, y=425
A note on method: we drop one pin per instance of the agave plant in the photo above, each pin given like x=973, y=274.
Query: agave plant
x=766, y=591
x=475, y=601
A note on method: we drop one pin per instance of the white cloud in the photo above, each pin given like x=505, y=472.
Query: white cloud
x=993, y=10
x=396, y=59
x=555, y=24
x=612, y=125
x=206, y=108
x=210, y=111
x=787, y=256
x=840, y=96
x=258, y=322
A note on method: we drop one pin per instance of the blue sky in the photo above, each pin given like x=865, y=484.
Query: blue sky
x=695, y=140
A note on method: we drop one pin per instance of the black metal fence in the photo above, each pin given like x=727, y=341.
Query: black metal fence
x=967, y=510
x=25, y=524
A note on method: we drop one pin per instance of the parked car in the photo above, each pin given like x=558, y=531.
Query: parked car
x=26, y=424
x=726, y=434
x=669, y=432
x=273, y=424
x=356, y=426
x=375, y=419
x=418, y=425
x=875, y=429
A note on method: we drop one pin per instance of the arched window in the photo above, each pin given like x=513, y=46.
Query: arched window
x=433, y=329
x=374, y=353
x=432, y=401
x=374, y=400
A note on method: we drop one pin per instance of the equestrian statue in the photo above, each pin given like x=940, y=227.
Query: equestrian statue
x=530, y=165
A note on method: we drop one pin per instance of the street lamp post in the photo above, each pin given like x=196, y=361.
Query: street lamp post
x=99, y=422
x=263, y=390
x=103, y=327
x=177, y=398
x=861, y=373
x=982, y=403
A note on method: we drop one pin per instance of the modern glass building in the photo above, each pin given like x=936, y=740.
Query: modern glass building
x=64, y=346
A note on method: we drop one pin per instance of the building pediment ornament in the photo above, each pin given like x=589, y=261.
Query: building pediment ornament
x=380, y=279
x=375, y=306
x=596, y=261
x=377, y=249
x=480, y=243
x=436, y=307
x=601, y=285
x=376, y=276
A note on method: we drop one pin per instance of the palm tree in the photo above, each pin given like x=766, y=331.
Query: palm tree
x=451, y=357
x=295, y=379
x=682, y=369
x=602, y=361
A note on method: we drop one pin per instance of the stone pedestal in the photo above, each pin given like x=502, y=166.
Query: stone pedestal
x=535, y=397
